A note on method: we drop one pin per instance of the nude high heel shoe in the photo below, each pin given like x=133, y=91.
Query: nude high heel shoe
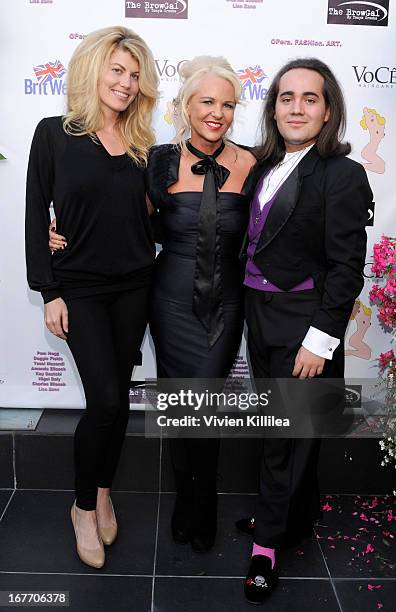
x=93, y=557
x=109, y=534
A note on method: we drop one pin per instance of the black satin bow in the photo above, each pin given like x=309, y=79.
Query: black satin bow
x=208, y=162
x=207, y=293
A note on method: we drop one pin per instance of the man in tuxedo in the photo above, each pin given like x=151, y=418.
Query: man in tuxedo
x=305, y=252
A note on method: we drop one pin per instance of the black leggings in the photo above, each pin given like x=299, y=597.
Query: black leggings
x=105, y=334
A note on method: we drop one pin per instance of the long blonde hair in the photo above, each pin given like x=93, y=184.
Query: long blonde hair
x=191, y=73
x=84, y=115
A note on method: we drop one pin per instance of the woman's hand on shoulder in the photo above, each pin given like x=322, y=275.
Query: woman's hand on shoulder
x=56, y=241
x=56, y=317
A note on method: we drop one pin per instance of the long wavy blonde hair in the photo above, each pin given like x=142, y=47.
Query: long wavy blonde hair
x=191, y=73
x=84, y=115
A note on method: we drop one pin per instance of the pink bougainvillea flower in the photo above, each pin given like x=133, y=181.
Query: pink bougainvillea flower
x=371, y=587
x=327, y=507
x=374, y=502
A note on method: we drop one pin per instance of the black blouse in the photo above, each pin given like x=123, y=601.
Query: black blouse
x=99, y=203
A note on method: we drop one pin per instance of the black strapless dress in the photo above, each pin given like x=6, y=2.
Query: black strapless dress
x=180, y=339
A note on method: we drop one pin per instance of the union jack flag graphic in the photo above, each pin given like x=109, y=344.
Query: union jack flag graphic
x=254, y=74
x=50, y=70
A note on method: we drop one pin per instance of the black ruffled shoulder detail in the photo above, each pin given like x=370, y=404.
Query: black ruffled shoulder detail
x=162, y=171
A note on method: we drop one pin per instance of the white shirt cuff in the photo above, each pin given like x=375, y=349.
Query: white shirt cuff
x=320, y=343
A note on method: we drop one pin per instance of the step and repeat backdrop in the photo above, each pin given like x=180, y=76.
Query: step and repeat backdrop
x=38, y=37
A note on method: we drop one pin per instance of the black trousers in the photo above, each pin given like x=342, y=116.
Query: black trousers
x=289, y=492
x=105, y=334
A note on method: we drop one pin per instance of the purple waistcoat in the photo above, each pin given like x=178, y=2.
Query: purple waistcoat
x=253, y=276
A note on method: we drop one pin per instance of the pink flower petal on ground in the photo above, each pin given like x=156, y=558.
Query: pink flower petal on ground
x=364, y=517
x=353, y=548
x=371, y=587
x=369, y=549
x=327, y=507
x=354, y=513
x=374, y=503
x=332, y=546
x=379, y=605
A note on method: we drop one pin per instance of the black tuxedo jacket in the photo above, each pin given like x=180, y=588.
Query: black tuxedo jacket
x=316, y=228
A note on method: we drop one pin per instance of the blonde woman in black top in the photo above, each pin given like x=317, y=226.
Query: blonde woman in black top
x=90, y=164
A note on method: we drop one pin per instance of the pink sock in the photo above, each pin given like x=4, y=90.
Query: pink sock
x=267, y=552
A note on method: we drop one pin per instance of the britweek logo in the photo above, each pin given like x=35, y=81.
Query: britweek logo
x=355, y=12
x=49, y=80
x=252, y=79
x=381, y=77
x=178, y=9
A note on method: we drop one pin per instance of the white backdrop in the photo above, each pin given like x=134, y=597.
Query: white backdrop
x=257, y=37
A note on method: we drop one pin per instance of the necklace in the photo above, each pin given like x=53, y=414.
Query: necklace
x=289, y=157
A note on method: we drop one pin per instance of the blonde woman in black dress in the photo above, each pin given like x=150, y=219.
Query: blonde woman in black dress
x=196, y=311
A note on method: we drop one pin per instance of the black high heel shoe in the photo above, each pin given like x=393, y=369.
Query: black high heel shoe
x=246, y=525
